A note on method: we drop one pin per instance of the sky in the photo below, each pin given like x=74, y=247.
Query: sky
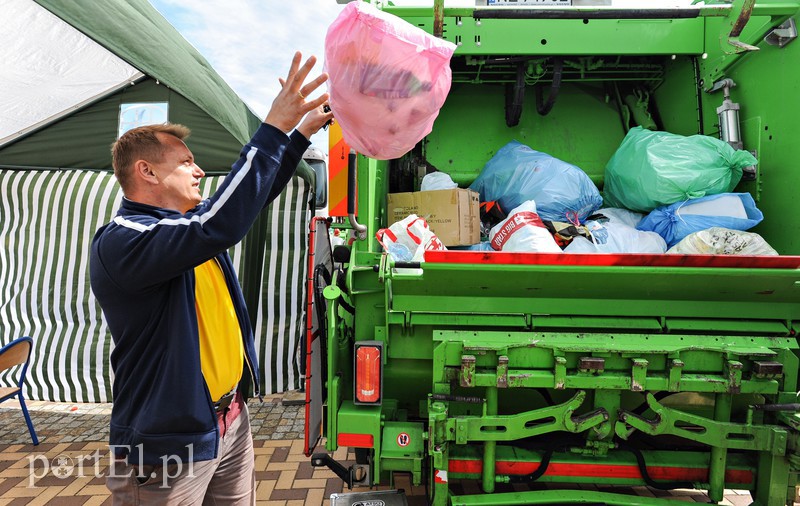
x=250, y=43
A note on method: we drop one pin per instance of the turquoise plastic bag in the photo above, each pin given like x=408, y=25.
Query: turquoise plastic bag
x=653, y=169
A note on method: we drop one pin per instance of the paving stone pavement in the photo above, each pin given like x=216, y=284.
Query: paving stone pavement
x=66, y=468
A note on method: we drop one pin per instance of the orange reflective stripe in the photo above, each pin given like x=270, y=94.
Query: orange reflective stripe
x=337, y=171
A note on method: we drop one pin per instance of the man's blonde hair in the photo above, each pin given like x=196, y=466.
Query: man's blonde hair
x=141, y=143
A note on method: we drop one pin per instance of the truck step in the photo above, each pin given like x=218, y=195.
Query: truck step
x=370, y=498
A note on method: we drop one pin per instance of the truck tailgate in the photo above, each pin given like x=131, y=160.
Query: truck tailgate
x=667, y=292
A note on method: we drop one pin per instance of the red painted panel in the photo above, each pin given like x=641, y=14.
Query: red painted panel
x=355, y=440
x=621, y=259
x=665, y=473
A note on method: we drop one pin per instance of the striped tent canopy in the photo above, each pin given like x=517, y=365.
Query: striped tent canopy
x=74, y=75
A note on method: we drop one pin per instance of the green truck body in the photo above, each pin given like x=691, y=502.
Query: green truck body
x=516, y=371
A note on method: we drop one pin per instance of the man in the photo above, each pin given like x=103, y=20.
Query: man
x=180, y=432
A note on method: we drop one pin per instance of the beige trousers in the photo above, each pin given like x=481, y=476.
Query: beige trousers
x=227, y=480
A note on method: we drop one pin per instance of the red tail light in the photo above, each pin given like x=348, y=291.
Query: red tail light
x=368, y=372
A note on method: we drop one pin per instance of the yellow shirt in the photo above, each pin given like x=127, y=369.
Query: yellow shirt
x=221, y=347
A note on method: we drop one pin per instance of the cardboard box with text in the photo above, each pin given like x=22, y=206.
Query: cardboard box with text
x=453, y=215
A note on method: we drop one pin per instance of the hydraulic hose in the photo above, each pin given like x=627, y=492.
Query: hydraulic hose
x=320, y=305
x=548, y=455
x=561, y=443
x=544, y=107
x=529, y=478
x=666, y=485
x=319, y=301
x=515, y=96
x=361, y=230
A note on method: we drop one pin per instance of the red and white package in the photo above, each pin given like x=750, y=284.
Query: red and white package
x=523, y=232
x=408, y=239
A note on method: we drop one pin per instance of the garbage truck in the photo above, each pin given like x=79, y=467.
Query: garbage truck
x=523, y=378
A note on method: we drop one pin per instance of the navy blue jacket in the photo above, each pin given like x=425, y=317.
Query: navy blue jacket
x=142, y=273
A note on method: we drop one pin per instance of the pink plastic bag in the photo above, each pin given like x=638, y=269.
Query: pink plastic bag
x=388, y=80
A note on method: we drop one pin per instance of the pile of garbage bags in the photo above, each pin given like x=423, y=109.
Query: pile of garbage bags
x=663, y=193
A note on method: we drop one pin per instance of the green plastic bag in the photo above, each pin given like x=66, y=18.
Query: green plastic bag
x=653, y=169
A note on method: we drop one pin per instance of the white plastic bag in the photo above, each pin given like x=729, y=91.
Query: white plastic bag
x=523, y=231
x=388, y=79
x=616, y=237
x=407, y=240
x=723, y=241
x=437, y=181
x=620, y=215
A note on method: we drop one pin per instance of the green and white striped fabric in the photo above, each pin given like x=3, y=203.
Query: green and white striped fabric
x=47, y=221
x=280, y=312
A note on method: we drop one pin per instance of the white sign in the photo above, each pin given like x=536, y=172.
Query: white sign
x=403, y=439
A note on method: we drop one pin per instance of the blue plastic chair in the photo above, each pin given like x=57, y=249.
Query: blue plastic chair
x=17, y=352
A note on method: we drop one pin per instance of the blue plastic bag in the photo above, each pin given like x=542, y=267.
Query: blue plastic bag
x=673, y=222
x=517, y=173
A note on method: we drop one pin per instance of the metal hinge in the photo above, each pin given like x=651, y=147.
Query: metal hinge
x=783, y=34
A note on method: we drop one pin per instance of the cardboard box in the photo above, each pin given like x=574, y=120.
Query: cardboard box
x=453, y=215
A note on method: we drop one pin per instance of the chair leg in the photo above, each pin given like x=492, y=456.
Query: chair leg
x=28, y=419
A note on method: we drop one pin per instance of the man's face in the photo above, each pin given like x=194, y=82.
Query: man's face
x=178, y=176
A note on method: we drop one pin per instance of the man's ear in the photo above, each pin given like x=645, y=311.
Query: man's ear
x=143, y=171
